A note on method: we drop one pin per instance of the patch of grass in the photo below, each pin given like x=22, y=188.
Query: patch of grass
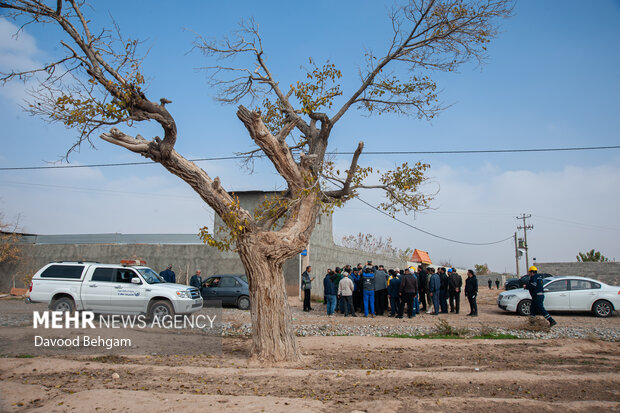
x=443, y=328
x=25, y=356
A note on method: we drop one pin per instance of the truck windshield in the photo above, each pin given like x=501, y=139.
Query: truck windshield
x=150, y=276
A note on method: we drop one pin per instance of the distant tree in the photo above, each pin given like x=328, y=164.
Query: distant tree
x=369, y=243
x=482, y=269
x=376, y=245
x=591, y=256
x=97, y=81
x=9, y=242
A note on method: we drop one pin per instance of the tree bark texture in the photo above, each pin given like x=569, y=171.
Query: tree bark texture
x=273, y=338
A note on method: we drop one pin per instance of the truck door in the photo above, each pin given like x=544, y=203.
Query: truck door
x=97, y=289
x=127, y=297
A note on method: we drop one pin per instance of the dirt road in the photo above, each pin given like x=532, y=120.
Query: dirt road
x=336, y=374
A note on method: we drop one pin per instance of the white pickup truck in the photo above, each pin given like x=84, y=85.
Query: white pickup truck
x=111, y=289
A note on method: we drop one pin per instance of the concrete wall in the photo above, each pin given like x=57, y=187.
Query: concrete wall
x=607, y=272
x=183, y=253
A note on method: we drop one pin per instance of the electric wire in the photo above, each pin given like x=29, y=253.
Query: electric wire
x=225, y=158
x=430, y=233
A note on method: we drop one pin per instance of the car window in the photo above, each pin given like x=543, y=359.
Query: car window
x=63, y=271
x=583, y=285
x=150, y=276
x=559, y=285
x=244, y=278
x=103, y=274
x=124, y=275
x=227, y=282
x=213, y=282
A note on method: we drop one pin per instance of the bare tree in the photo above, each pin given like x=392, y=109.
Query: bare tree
x=99, y=83
x=9, y=241
x=376, y=245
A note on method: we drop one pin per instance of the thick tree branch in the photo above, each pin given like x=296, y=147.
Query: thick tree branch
x=276, y=150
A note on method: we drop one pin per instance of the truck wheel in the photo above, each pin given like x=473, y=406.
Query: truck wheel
x=243, y=303
x=524, y=307
x=161, y=309
x=602, y=308
x=64, y=304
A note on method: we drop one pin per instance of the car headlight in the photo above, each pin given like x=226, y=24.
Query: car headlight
x=509, y=296
x=184, y=294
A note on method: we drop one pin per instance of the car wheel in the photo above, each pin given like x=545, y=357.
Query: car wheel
x=524, y=307
x=243, y=303
x=160, y=309
x=64, y=304
x=602, y=308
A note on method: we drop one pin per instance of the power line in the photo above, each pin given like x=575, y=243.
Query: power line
x=429, y=233
x=236, y=157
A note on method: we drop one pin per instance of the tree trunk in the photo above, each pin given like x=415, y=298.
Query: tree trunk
x=273, y=338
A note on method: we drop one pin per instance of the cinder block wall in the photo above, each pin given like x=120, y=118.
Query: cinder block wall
x=607, y=272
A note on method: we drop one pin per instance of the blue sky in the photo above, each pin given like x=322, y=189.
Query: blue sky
x=551, y=80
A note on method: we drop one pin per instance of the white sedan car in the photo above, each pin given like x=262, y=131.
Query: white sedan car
x=566, y=294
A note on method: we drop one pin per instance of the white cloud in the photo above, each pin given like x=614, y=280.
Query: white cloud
x=573, y=209
x=18, y=52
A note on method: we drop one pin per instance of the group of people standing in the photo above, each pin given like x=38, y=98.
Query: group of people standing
x=375, y=290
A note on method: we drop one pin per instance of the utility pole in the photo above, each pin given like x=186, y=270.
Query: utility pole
x=517, y=254
x=525, y=227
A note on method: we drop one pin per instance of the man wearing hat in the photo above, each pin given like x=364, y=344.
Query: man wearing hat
x=535, y=287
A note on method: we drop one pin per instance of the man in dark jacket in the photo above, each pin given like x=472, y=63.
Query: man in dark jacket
x=329, y=289
x=455, y=283
x=535, y=287
x=422, y=281
x=356, y=277
x=196, y=280
x=471, y=292
x=380, y=290
x=434, y=285
x=168, y=275
x=394, y=293
x=306, y=286
x=408, y=290
x=443, y=290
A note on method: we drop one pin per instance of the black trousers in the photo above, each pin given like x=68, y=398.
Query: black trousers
x=357, y=300
x=406, y=298
x=455, y=300
x=472, y=304
x=346, y=304
x=423, y=300
x=443, y=300
x=394, y=305
x=380, y=296
x=307, y=300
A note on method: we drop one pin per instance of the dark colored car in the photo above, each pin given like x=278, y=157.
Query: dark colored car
x=514, y=283
x=230, y=289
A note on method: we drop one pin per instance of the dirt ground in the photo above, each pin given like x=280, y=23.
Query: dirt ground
x=344, y=374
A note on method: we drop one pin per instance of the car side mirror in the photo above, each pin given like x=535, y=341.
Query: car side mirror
x=136, y=280
x=546, y=290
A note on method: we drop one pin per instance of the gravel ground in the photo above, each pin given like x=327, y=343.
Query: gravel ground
x=490, y=319
x=14, y=312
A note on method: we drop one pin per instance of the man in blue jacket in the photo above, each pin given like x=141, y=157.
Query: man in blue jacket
x=434, y=285
x=368, y=287
x=168, y=275
x=535, y=287
x=393, y=290
x=330, y=292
